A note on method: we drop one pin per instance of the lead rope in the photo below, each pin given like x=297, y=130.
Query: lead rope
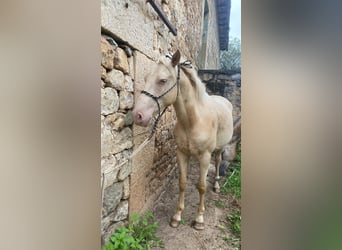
x=186, y=64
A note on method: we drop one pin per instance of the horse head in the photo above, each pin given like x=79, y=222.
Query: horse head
x=160, y=89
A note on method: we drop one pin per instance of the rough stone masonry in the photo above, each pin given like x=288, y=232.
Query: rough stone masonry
x=116, y=136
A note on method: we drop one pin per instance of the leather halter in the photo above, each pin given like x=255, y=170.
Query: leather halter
x=186, y=64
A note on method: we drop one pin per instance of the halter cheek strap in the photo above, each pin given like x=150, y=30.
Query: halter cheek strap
x=186, y=64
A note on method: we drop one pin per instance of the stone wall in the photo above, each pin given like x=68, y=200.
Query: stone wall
x=116, y=136
x=224, y=83
x=136, y=23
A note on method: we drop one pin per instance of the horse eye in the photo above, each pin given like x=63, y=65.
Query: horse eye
x=163, y=81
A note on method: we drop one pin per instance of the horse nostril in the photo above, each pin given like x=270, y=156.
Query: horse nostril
x=138, y=116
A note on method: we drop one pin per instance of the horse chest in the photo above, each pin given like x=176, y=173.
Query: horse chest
x=192, y=143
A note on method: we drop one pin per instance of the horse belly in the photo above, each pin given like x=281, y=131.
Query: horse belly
x=225, y=127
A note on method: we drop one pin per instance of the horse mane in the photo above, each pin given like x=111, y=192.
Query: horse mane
x=192, y=76
x=196, y=83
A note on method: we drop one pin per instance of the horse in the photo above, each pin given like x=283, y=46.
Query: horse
x=204, y=123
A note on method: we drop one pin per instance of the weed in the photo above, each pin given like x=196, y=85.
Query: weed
x=220, y=204
x=226, y=239
x=235, y=220
x=139, y=234
x=182, y=222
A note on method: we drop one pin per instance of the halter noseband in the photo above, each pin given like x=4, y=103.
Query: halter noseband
x=156, y=98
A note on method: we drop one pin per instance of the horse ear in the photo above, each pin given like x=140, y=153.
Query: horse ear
x=175, y=58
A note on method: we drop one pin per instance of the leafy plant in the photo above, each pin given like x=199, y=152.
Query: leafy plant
x=235, y=220
x=231, y=58
x=140, y=233
x=220, y=204
x=235, y=224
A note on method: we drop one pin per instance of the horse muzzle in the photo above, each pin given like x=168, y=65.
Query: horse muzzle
x=142, y=118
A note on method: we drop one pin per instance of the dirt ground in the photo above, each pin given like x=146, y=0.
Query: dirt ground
x=185, y=237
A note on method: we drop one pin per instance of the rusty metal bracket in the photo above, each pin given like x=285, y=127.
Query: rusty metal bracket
x=162, y=15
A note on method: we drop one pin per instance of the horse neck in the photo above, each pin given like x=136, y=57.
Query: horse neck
x=186, y=105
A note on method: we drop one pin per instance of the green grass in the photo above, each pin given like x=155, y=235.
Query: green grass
x=140, y=233
x=235, y=220
x=232, y=184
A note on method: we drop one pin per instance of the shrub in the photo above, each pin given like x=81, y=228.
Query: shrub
x=140, y=233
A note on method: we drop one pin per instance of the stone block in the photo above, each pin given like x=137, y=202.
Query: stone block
x=122, y=140
x=128, y=84
x=112, y=197
x=107, y=140
x=107, y=53
x=115, y=79
x=120, y=60
x=206, y=77
x=109, y=101
x=103, y=73
x=126, y=100
x=125, y=171
x=121, y=211
x=110, y=169
x=131, y=66
x=125, y=189
x=115, y=121
x=107, y=221
x=224, y=77
x=131, y=24
x=106, y=233
x=129, y=118
x=102, y=124
x=103, y=84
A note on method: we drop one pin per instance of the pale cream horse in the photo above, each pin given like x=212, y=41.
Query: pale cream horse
x=204, y=123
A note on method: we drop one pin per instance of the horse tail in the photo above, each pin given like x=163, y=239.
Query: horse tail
x=236, y=132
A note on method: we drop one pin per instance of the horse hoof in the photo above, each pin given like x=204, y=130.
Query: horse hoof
x=217, y=190
x=198, y=225
x=174, y=223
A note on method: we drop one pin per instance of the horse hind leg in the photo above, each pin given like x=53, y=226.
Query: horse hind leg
x=183, y=161
x=217, y=175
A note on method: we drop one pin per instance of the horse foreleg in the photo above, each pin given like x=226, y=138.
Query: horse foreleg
x=217, y=166
x=201, y=186
x=183, y=161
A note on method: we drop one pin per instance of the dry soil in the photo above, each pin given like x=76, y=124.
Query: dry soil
x=185, y=236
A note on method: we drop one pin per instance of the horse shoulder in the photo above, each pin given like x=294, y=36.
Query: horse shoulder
x=197, y=139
